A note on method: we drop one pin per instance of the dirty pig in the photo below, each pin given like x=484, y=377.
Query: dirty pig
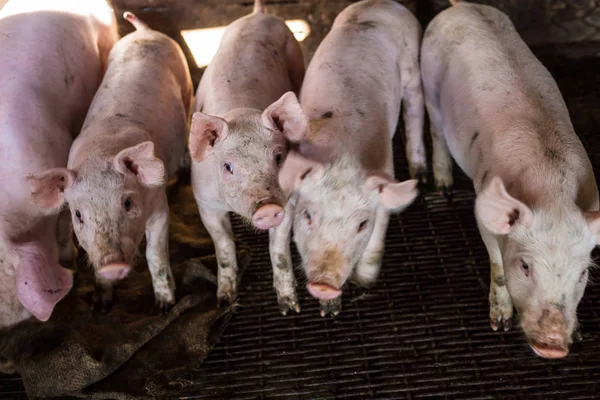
x=342, y=174
x=40, y=113
x=245, y=108
x=131, y=143
x=496, y=109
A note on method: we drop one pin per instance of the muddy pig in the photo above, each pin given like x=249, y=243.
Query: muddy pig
x=51, y=62
x=342, y=173
x=132, y=141
x=496, y=109
x=245, y=108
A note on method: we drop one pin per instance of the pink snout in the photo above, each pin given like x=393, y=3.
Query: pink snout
x=549, y=350
x=323, y=291
x=268, y=216
x=114, y=271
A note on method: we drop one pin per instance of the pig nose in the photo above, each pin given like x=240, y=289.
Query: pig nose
x=268, y=216
x=549, y=351
x=323, y=291
x=114, y=271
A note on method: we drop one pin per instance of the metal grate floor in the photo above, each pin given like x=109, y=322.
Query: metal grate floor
x=422, y=331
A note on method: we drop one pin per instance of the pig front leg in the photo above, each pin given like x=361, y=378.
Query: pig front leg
x=66, y=247
x=501, y=307
x=284, y=281
x=157, y=255
x=104, y=294
x=218, y=225
x=368, y=268
x=414, y=115
x=442, y=160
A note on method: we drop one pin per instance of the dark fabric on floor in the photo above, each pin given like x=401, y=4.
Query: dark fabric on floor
x=132, y=351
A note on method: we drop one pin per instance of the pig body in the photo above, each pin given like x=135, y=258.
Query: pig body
x=132, y=141
x=497, y=110
x=244, y=109
x=51, y=63
x=343, y=171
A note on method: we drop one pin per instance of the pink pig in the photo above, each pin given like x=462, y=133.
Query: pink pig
x=132, y=141
x=497, y=110
x=238, y=140
x=343, y=173
x=51, y=63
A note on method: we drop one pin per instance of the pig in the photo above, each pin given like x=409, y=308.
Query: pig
x=496, y=109
x=52, y=58
x=341, y=176
x=246, y=106
x=132, y=141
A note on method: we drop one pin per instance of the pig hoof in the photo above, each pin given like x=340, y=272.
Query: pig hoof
x=501, y=317
x=225, y=299
x=164, y=306
x=288, y=303
x=333, y=307
x=102, y=303
x=420, y=174
x=446, y=191
x=577, y=336
x=7, y=366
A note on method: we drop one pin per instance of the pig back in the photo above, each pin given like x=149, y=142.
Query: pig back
x=353, y=86
x=250, y=69
x=50, y=69
x=518, y=126
x=145, y=95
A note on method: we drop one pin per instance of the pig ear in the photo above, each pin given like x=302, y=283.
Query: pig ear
x=498, y=211
x=141, y=162
x=286, y=116
x=392, y=194
x=48, y=188
x=593, y=220
x=295, y=169
x=206, y=132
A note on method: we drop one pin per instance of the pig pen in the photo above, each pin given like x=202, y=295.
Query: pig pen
x=422, y=331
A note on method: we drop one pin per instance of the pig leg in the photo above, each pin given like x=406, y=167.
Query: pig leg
x=367, y=270
x=104, y=295
x=218, y=225
x=442, y=161
x=414, y=115
x=283, y=273
x=66, y=247
x=157, y=255
x=501, y=307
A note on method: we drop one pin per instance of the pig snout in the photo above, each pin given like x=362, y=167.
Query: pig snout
x=323, y=291
x=268, y=216
x=550, y=338
x=114, y=271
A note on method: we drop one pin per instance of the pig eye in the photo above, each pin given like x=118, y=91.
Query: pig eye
x=127, y=204
x=278, y=159
x=78, y=215
x=525, y=267
x=362, y=225
x=228, y=168
x=307, y=217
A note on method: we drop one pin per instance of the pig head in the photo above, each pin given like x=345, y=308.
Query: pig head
x=336, y=212
x=238, y=158
x=30, y=271
x=110, y=201
x=546, y=257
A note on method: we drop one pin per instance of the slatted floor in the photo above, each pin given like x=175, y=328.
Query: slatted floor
x=422, y=331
